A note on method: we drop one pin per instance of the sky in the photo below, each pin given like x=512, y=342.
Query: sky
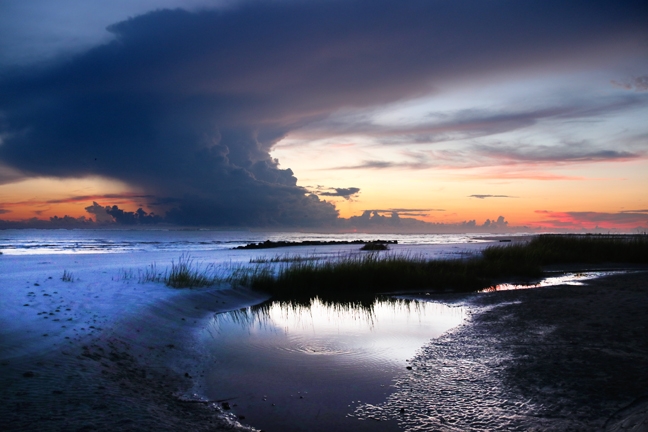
x=383, y=115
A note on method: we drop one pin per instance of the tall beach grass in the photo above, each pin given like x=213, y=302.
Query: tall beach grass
x=183, y=273
x=362, y=274
x=574, y=248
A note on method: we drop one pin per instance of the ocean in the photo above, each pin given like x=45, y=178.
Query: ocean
x=83, y=241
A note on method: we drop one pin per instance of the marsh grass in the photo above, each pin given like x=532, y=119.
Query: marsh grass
x=361, y=274
x=185, y=273
x=574, y=248
x=357, y=275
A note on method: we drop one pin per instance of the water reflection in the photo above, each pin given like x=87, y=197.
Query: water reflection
x=564, y=279
x=320, y=315
x=310, y=363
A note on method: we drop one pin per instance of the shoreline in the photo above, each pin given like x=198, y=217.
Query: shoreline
x=131, y=375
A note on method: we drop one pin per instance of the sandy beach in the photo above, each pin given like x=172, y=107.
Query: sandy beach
x=554, y=358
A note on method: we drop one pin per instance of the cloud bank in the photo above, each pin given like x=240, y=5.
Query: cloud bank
x=186, y=106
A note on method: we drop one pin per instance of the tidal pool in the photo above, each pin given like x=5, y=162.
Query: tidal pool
x=297, y=367
x=563, y=279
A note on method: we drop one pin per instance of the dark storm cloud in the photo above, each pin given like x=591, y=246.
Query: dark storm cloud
x=186, y=106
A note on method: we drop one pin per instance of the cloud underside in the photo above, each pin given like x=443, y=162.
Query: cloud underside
x=187, y=106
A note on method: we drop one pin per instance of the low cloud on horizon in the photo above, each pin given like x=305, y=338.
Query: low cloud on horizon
x=107, y=216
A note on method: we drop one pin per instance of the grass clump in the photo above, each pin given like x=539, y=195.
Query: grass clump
x=67, y=276
x=186, y=274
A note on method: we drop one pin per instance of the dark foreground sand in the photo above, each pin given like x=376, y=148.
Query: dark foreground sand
x=579, y=354
x=563, y=358
x=557, y=358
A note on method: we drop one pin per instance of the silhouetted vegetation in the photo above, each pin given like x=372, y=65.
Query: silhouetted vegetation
x=356, y=275
x=573, y=248
x=361, y=274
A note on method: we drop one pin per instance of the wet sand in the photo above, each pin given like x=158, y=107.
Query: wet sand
x=554, y=358
x=548, y=359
